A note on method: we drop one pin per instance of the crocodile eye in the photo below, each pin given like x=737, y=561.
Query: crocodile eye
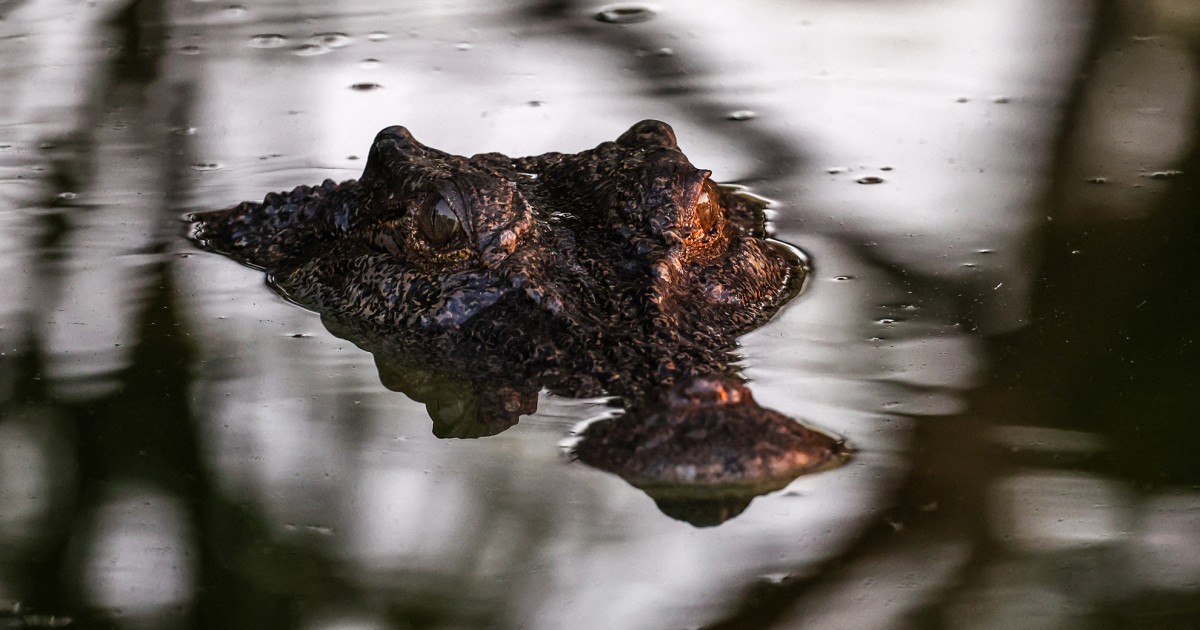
x=437, y=221
x=708, y=206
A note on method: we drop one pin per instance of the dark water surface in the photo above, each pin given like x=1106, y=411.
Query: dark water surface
x=1000, y=199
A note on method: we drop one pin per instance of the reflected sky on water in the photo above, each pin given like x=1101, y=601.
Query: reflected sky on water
x=998, y=199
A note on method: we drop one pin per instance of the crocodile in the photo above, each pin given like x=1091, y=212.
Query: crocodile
x=622, y=271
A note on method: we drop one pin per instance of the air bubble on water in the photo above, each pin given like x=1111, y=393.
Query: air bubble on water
x=369, y=63
x=309, y=50
x=5, y=146
x=268, y=40
x=536, y=103
x=886, y=168
x=190, y=49
x=842, y=278
x=1097, y=180
x=378, y=36
x=464, y=46
x=205, y=166
x=870, y=179
x=625, y=15
x=886, y=321
x=120, y=125
x=962, y=99
x=1164, y=174
x=1000, y=100
x=365, y=87
x=332, y=40
x=183, y=131
x=352, y=158
x=665, y=52
x=66, y=196
x=235, y=10
x=985, y=251
x=741, y=114
x=836, y=170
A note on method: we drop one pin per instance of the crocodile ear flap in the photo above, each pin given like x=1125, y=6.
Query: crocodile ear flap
x=649, y=133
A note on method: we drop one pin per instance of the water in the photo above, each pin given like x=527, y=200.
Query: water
x=179, y=447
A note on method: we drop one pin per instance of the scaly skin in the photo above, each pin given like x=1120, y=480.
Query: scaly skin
x=620, y=270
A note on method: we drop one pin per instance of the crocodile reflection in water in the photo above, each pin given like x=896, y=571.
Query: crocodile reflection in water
x=479, y=281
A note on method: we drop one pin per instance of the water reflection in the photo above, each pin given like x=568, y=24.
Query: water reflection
x=1052, y=376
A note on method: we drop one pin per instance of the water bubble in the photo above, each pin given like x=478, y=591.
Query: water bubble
x=235, y=10
x=1098, y=180
x=1164, y=174
x=886, y=321
x=665, y=52
x=205, y=166
x=870, y=179
x=378, y=36
x=309, y=50
x=352, y=158
x=775, y=578
x=1000, y=100
x=985, y=251
x=66, y=196
x=962, y=99
x=365, y=87
x=843, y=278
x=369, y=63
x=886, y=168
x=625, y=15
x=536, y=103
x=190, y=50
x=836, y=170
x=120, y=125
x=464, y=46
x=332, y=40
x=740, y=115
x=183, y=131
x=268, y=40
x=5, y=146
